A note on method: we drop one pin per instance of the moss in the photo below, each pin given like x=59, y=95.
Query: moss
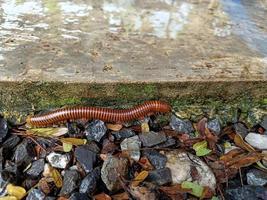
x=189, y=99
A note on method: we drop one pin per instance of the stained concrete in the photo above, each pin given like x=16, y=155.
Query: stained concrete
x=51, y=47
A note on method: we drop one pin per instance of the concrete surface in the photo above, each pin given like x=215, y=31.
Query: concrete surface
x=185, y=45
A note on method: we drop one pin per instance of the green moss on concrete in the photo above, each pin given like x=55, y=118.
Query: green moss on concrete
x=189, y=99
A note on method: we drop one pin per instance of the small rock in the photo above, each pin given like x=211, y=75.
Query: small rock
x=3, y=184
x=24, y=153
x=95, y=130
x=247, y=192
x=89, y=183
x=79, y=196
x=241, y=129
x=181, y=164
x=36, y=168
x=2, y=159
x=264, y=122
x=49, y=198
x=183, y=126
x=132, y=145
x=160, y=176
x=58, y=160
x=169, y=143
x=157, y=159
x=152, y=138
x=114, y=167
x=70, y=182
x=86, y=157
x=257, y=140
x=256, y=177
x=3, y=129
x=214, y=126
x=123, y=133
x=11, y=167
x=35, y=194
x=11, y=142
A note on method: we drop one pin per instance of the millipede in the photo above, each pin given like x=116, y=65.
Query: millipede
x=104, y=114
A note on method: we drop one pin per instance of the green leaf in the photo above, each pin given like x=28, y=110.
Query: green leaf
x=67, y=147
x=197, y=190
x=201, y=148
x=214, y=198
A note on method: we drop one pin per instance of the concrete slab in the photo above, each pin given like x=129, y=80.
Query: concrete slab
x=166, y=48
x=132, y=41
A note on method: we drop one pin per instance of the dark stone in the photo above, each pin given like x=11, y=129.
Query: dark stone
x=157, y=159
x=112, y=169
x=160, y=176
x=86, y=157
x=35, y=194
x=182, y=126
x=169, y=143
x=36, y=168
x=70, y=182
x=11, y=166
x=50, y=198
x=3, y=129
x=79, y=196
x=247, y=192
x=95, y=130
x=264, y=122
x=257, y=177
x=29, y=183
x=24, y=153
x=123, y=133
x=2, y=159
x=152, y=138
x=88, y=184
x=214, y=126
x=241, y=129
x=11, y=142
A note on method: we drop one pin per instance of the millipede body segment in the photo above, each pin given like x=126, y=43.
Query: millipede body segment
x=104, y=114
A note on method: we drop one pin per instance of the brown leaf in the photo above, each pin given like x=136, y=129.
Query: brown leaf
x=142, y=193
x=201, y=126
x=207, y=193
x=102, y=196
x=211, y=139
x=139, y=178
x=174, y=189
x=121, y=196
x=231, y=154
x=62, y=198
x=242, y=144
x=44, y=186
x=114, y=127
x=146, y=165
x=244, y=160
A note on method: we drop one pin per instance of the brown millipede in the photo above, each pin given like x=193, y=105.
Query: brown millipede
x=104, y=114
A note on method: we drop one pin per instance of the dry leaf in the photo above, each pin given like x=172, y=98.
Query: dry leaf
x=102, y=196
x=17, y=191
x=144, y=127
x=114, y=127
x=144, y=162
x=44, y=186
x=139, y=178
x=244, y=160
x=73, y=141
x=57, y=178
x=47, y=132
x=121, y=196
x=242, y=144
x=231, y=154
x=8, y=198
